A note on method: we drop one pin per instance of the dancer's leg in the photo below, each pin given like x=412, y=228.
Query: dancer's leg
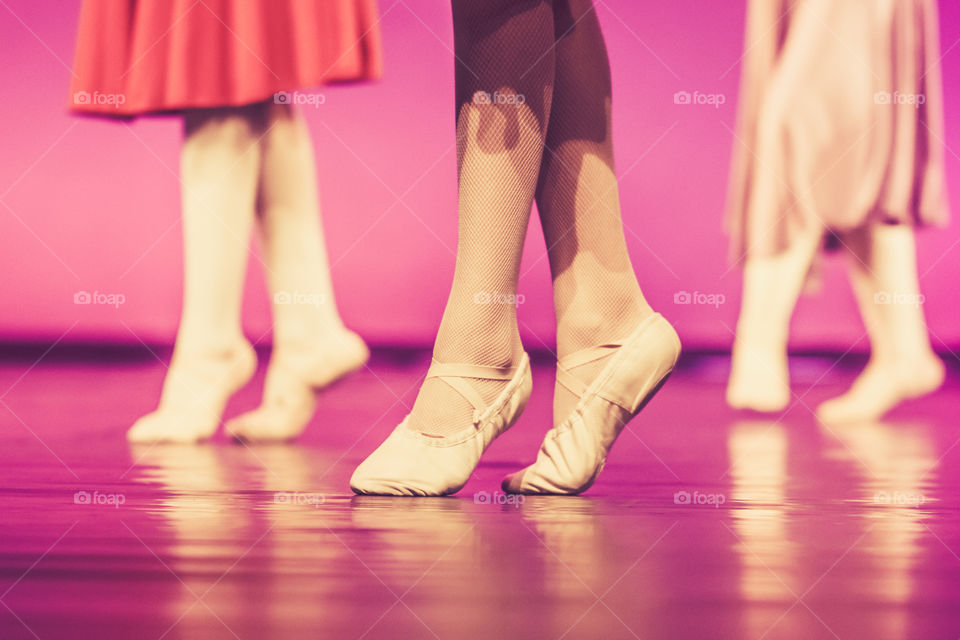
x=597, y=299
x=503, y=54
x=883, y=272
x=759, y=378
x=504, y=76
x=595, y=292
x=311, y=347
x=219, y=166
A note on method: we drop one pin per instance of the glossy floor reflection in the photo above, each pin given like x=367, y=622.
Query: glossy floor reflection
x=706, y=523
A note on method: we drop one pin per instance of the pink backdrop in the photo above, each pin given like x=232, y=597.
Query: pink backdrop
x=93, y=206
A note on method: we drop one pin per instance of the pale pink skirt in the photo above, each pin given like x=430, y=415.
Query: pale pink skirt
x=840, y=120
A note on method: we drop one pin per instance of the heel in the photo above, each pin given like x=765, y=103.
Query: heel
x=629, y=386
x=660, y=343
x=574, y=453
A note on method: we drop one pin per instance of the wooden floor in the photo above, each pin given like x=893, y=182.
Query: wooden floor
x=705, y=524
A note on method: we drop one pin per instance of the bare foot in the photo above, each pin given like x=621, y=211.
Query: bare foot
x=881, y=387
x=759, y=380
x=293, y=377
x=195, y=393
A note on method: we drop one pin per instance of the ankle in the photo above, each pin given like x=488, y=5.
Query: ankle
x=317, y=336
x=587, y=328
x=211, y=348
x=903, y=361
x=484, y=337
x=489, y=353
x=306, y=324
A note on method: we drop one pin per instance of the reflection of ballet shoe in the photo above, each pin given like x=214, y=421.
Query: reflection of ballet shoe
x=410, y=463
x=574, y=452
x=882, y=387
x=289, y=398
x=186, y=469
x=194, y=396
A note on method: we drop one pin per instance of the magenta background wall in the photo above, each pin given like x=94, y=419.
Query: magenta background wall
x=87, y=205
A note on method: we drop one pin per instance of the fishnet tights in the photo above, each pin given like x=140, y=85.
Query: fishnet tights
x=533, y=122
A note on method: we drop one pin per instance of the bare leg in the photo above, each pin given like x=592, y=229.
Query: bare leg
x=883, y=272
x=311, y=347
x=759, y=378
x=219, y=166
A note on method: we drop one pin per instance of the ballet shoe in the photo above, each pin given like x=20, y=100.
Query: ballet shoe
x=410, y=463
x=194, y=396
x=291, y=390
x=882, y=387
x=574, y=452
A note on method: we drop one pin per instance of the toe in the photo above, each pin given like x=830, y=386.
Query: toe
x=370, y=485
x=144, y=430
x=513, y=483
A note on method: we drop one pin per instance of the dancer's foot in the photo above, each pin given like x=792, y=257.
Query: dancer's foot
x=573, y=453
x=195, y=393
x=294, y=376
x=759, y=379
x=411, y=462
x=881, y=387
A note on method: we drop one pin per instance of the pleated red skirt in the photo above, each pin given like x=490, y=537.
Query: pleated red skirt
x=139, y=57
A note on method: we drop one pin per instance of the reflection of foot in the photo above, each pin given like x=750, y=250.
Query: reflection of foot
x=293, y=377
x=195, y=393
x=574, y=452
x=412, y=463
x=759, y=380
x=881, y=387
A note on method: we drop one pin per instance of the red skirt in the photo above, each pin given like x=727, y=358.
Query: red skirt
x=151, y=56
